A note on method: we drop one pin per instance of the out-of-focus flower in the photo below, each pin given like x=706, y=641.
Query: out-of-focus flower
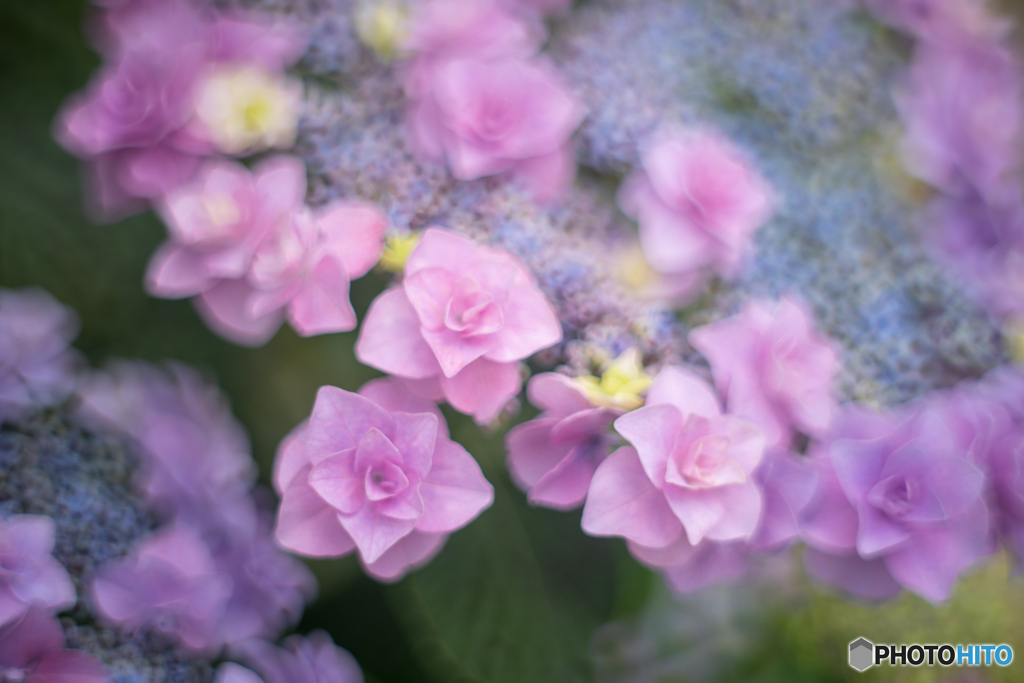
x=897, y=503
x=490, y=117
x=635, y=274
x=396, y=251
x=137, y=122
x=553, y=457
x=541, y=7
x=36, y=364
x=32, y=650
x=459, y=323
x=171, y=584
x=772, y=368
x=243, y=109
x=697, y=201
x=961, y=106
x=383, y=26
x=196, y=455
x=945, y=22
x=688, y=476
x=302, y=659
x=373, y=478
x=621, y=384
x=787, y=484
x=247, y=245
x=28, y=571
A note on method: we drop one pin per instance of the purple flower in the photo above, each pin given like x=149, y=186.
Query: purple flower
x=772, y=368
x=310, y=659
x=170, y=584
x=553, y=457
x=32, y=651
x=29, y=574
x=697, y=202
x=197, y=456
x=688, y=475
x=459, y=323
x=505, y=116
x=897, y=503
x=36, y=364
x=376, y=479
x=787, y=485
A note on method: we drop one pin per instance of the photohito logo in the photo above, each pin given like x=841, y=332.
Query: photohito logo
x=864, y=654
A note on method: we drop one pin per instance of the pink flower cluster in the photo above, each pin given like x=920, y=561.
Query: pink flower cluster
x=483, y=101
x=213, y=574
x=960, y=101
x=246, y=246
x=459, y=322
x=141, y=124
x=37, y=365
x=697, y=201
x=375, y=472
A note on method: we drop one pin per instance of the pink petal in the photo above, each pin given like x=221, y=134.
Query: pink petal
x=358, y=229
x=557, y=393
x=411, y=552
x=415, y=437
x=439, y=246
x=866, y=578
x=224, y=309
x=530, y=324
x=429, y=290
x=622, y=501
x=548, y=177
x=454, y=491
x=684, y=390
x=565, y=486
x=394, y=394
x=322, y=305
x=390, y=339
x=699, y=510
x=454, y=352
x=339, y=421
x=340, y=486
x=652, y=430
x=68, y=666
x=280, y=185
x=291, y=457
x=307, y=525
x=174, y=273
x=373, y=533
x=482, y=388
x=531, y=453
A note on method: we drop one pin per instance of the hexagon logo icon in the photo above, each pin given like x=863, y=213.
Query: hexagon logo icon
x=862, y=654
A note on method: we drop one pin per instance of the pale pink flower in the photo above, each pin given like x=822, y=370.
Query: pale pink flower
x=689, y=475
x=697, y=201
x=553, y=457
x=171, y=584
x=458, y=324
x=32, y=650
x=386, y=483
x=302, y=659
x=772, y=368
x=503, y=116
x=28, y=571
x=37, y=363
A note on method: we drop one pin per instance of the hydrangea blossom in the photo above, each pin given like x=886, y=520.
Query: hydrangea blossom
x=553, y=457
x=36, y=364
x=32, y=650
x=458, y=324
x=897, y=503
x=29, y=574
x=310, y=659
x=685, y=491
x=254, y=254
x=138, y=123
x=170, y=584
x=373, y=478
x=505, y=116
x=697, y=201
x=196, y=455
x=772, y=368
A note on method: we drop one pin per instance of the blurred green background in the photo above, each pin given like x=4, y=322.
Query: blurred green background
x=517, y=595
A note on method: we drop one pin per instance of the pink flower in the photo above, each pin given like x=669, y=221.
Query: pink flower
x=254, y=254
x=367, y=477
x=197, y=456
x=697, y=201
x=504, y=116
x=897, y=504
x=28, y=571
x=32, y=650
x=459, y=323
x=171, y=584
x=303, y=659
x=553, y=457
x=37, y=365
x=772, y=368
x=136, y=122
x=689, y=475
